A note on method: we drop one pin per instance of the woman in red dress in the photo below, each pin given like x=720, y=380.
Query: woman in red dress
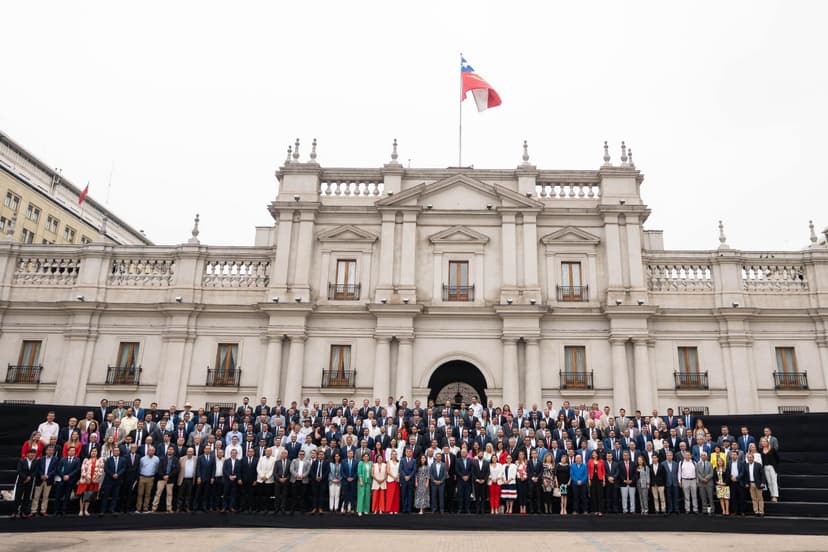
x=392, y=481
x=92, y=471
x=495, y=480
x=32, y=443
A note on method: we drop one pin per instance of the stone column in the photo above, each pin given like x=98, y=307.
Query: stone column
x=409, y=253
x=533, y=393
x=620, y=376
x=382, y=361
x=386, y=268
x=304, y=253
x=296, y=369
x=530, y=251
x=279, y=277
x=615, y=268
x=644, y=383
x=69, y=383
x=272, y=369
x=509, y=265
x=405, y=368
x=511, y=384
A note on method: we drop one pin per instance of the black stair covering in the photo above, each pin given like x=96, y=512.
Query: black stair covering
x=803, y=453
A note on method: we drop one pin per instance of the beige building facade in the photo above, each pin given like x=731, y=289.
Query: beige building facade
x=519, y=285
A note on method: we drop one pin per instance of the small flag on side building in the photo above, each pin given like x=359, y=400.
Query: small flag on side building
x=484, y=95
x=83, y=194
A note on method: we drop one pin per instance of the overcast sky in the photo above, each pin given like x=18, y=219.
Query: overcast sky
x=195, y=103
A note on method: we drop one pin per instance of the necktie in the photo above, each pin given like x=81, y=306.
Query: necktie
x=116, y=435
x=319, y=470
x=116, y=465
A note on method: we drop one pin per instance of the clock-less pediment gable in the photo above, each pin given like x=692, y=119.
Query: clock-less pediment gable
x=347, y=233
x=459, y=234
x=460, y=192
x=570, y=235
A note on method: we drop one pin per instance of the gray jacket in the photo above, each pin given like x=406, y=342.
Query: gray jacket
x=704, y=473
x=300, y=467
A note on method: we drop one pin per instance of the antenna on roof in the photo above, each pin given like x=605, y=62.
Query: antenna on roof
x=109, y=185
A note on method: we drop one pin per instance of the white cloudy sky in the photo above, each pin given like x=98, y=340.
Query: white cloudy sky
x=194, y=103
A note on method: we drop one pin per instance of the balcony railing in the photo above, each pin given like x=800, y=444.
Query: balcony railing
x=576, y=380
x=23, y=374
x=691, y=380
x=343, y=292
x=338, y=378
x=573, y=294
x=123, y=375
x=223, y=378
x=458, y=293
x=790, y=380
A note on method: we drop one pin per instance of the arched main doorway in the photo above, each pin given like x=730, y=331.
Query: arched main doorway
x=457, y=381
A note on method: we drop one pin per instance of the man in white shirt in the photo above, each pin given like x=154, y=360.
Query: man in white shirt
x=48, y=429
x=264, y=478
x=687, y=473
x=186, y=480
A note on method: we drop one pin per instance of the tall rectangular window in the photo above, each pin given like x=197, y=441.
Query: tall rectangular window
x=785, y=360
x=227, y=357
x=339, y=372
x=52, y=224
x=69, y=234
x=33, y=213
x=12, y=201
x=688, y=360
x=128, y=355
x=345, y=287
x=27, y=236
x=458, y=284
x=29, y=353
x=575, y=373
x=571, y=286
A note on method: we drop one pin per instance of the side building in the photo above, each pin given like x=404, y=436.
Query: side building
x=520, y=285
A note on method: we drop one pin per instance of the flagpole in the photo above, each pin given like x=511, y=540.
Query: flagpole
x=460, y=123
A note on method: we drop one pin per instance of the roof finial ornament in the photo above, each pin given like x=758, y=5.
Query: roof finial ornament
x=290, y=150
x=194, y=240
x=813, y=233
x=606, y=155
x=629, y=152
x=296, y=151
x=623, y=154
x=722, y=237
x=525, y=152
x=313, y=151
x=394, y=155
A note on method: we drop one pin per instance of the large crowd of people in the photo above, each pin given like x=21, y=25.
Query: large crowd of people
x=392, y=458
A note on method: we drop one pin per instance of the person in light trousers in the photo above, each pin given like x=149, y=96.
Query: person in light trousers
x=642, y=484
x=627, y=483
x=687, y=473
x=770, y=460
x=334, y=482
x=704, y=481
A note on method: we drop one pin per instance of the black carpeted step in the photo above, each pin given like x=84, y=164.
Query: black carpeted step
x=804, y=456
x=803, y=469
x=803, y=481
x=786, y=508
x=804, y=494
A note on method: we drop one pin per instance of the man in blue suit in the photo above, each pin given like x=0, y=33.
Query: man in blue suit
x=745, y=439
x=205, y=468
x=736, y=475
x=232, y=480
x=408, y=470
x=44, y=477
x=672, y=485
x=68, y=471
x=349, y=481
x=437, y=476
x=463, y=471
x=534, y=474
x=114, y=469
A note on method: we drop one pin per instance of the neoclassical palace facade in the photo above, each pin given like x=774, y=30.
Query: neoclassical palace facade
x=520, y=285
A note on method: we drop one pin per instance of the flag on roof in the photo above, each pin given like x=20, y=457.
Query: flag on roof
x=83, y=194
x=484, y=95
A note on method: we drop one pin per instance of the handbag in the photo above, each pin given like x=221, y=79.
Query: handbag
x=556, y=492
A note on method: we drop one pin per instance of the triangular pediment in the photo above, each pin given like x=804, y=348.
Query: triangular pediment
x=460, y=192
x=347, y=233
x=571, y=235
x=459, y=234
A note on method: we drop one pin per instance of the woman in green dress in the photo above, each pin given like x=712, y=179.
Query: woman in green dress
x=364, y=485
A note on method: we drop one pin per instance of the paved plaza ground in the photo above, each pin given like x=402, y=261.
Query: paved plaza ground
x=284, y=540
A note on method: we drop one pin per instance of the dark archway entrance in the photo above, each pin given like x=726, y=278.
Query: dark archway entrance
x=457, y=379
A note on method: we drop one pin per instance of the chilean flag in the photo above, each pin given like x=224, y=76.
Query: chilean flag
x=484, y=95
x=83, y=194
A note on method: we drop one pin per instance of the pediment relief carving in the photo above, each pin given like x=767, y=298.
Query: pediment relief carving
x=570, y=235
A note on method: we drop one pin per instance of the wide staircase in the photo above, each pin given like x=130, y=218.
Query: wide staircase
x=803, y=438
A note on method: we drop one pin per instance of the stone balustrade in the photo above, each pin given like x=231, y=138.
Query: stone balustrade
x=774, y=278
x=565, y=190
x=141, y=272
x=46, y=270
x=679, y=277
x=236, y=273
x=350, y=188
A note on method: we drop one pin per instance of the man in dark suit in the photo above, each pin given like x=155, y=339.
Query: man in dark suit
x=463, y=472
x=293, y=447
x=736, y=475
x=480, y=474
x=86, y=450
x=349, y=482
x=755, y=483
x=689, y=419
x=101, y=412
x=232, y=480
x=132, y=462
x=318, y=481
x=534, y=473
x=281, y=479
x=68, y=472
x=205, y=468
x=672, y=483
x=114, y=470
x=627, y=481
x=408, y=471
x=437, y=479
x=249, y=478
x=24, y=485
x=613, y=471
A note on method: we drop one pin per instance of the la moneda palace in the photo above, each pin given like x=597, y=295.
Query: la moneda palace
x=517, y=285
